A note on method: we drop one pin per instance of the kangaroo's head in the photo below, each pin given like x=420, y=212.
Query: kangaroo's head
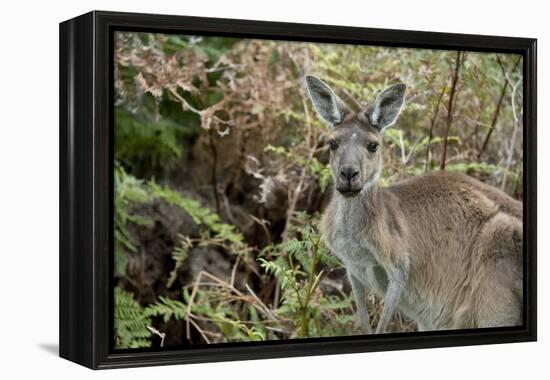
x=354, y=142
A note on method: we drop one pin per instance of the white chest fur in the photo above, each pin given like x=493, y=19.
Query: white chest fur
x=349, y=242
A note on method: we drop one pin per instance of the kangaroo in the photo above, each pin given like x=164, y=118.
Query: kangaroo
x=443, y=248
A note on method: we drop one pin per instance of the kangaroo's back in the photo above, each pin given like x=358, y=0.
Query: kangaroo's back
x=465, y=242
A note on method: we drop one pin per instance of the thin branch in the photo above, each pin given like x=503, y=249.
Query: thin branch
x=295, y=194
x=514, y=134
x=497, y=110
x=187, y=106
x=402, y=145
x=198, y=328
x=409, y=156
x=263, y=223
x=227, y=208
x=459, y=57
x=234, y=271
x=351, y=99
x=214, y=170
x=432, y=125
x=184, y=102
x=161, y=335
x=268, y=312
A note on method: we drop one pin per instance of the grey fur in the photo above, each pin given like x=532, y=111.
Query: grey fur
x=443, y=248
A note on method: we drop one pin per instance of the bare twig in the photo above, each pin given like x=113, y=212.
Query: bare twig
x=214, y=281
x=189, y=307
x=161, y=335
x=294, y=195
x=517, y=124
x=432, y=125
x=497, y=110
x=409, y=156
x=234, y=271
x=351, y=99
x=187, y=106
x=184, y=102
x=198, y=328
x=458, y=63
x=262, y=305
x=263, y=223
x=402, y=145
x=227, y=208
x=214, y=170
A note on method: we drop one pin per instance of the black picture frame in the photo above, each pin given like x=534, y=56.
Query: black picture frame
x=86, y=188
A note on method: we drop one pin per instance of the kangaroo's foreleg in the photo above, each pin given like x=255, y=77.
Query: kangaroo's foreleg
x=397, y=280
x=360, y=294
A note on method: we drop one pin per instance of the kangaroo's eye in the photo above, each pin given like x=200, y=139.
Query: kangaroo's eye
x=333, y=145
x=372, y=147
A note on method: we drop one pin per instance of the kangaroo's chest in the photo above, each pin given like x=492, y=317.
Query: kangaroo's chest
x=349, y=241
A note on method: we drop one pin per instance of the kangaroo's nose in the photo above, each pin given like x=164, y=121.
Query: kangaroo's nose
x=349, y=173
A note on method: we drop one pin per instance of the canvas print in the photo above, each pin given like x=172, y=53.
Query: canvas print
x=275, y=190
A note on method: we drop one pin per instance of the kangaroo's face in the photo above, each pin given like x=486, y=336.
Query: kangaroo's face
x=354, y=142
x=355, y=157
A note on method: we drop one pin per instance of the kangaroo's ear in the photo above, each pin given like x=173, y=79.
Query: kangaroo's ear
x=387, y=106
x=325, y=101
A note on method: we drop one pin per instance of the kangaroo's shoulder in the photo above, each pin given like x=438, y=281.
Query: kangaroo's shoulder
x=450, y=185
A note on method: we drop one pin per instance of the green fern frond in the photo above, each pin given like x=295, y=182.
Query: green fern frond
x=130, y=322
x=179, y=255
x=167, y=308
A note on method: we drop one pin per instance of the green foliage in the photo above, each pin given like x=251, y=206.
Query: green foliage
x=303, y=311
x=129, y=192
x=251, y=333
x=167, y=308
x=299, y=264
x=201, y=215
x=131, y=322
x=205, y=304
x=321, y=171
x=179, y=255
x=143, y=141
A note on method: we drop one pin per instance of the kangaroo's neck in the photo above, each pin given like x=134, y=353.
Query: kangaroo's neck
x=365, y=205
x=349, y=220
